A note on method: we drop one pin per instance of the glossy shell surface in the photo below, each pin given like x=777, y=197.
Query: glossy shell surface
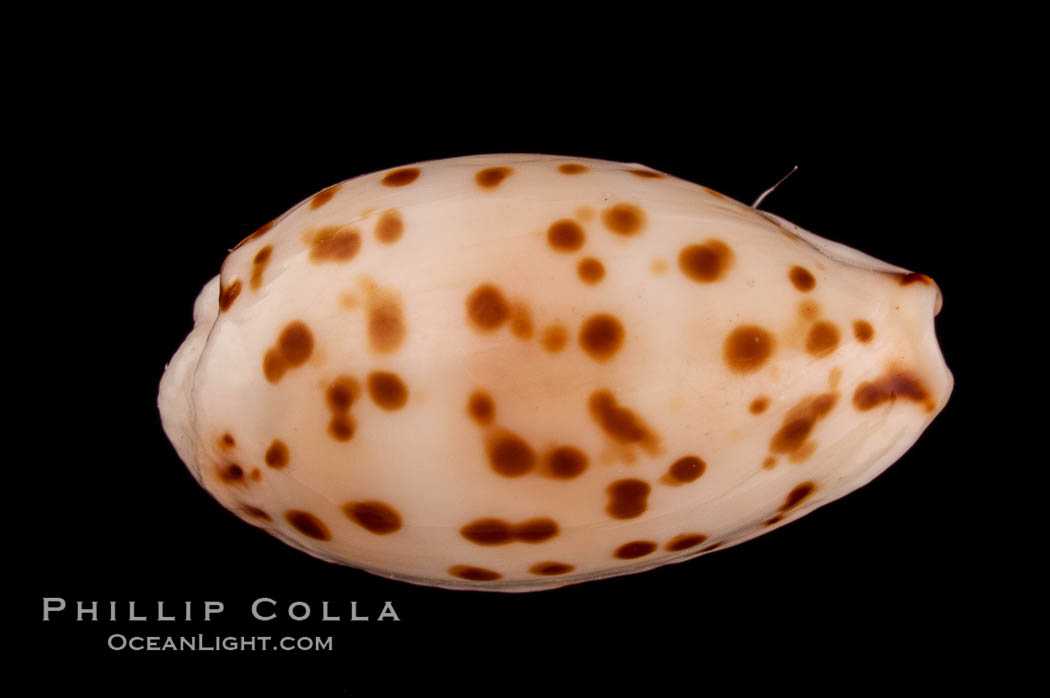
x=515, y=372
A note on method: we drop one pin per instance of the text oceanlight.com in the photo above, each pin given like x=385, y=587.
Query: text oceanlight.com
x=217, y=643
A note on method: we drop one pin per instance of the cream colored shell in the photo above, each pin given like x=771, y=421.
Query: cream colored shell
x=428, y=460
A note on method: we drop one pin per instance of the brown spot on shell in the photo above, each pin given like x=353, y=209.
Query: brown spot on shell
x=758, y=405
x=401, y=177
x=255, y=512
x=646, y=174
x=565, y=235
x=624, y=219
x=487, y=308
x=277, y=455
x=565, y=462
x=822, y=339
x=324, y=196
x=707, y=262
x=793, y=499
x=658, y=267
x=747, y=348
x=334, y=243
x=715, y=194
x=487, y=532
x=342, y=393
x=914, y=277
x=619, y=423
x=386, y=319
x=387, y=390
x=258, y=233
x=308, y=524
x=549, y=569
x=536, y=531
x=685, y=469
x=635, y=549
x=769, y=463
x=888, y=388
x=274, y=365
x=684, y=541
x=256, y=474
x=389, y=227
x=510, y=455
x=628, y=498
x=474, y=574
x=521, y=320
x=863, y=331
x=295, y=343
x=555, y=338
x=227, y=441
x=590, y=270
x=798, y=494
x=572, y=168
x=378, y=517
x=231, y=472
x=492, y=177
x=799, y=422
x=228, y=294
x=601, y=336
x=342, y=427
x=802, y=453
x=584, y=213
x=481, y=408
x=802, y=279
x=262, y=257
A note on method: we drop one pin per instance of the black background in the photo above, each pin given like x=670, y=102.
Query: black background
x=159, y=182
